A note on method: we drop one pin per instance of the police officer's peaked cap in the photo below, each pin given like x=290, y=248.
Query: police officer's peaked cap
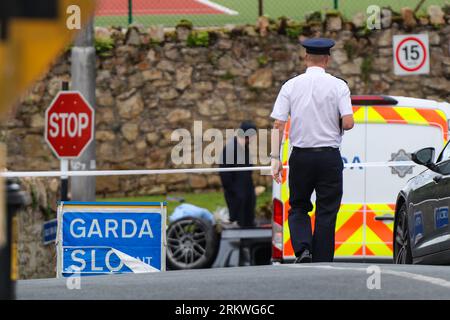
x=247, y=125
x=320, y=46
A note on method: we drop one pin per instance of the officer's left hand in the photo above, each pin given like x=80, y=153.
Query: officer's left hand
x=276, y=168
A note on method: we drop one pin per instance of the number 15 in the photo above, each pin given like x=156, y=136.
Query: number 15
x=413, y=52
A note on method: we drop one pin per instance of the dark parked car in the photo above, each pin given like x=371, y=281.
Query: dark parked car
x=421, y=230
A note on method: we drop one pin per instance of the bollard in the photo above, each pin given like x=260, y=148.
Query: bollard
x=15, y=199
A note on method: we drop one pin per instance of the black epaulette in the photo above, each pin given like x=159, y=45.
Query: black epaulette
x=341, y=79
x=282, y=84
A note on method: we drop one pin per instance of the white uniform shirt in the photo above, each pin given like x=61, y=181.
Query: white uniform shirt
x=315, y=101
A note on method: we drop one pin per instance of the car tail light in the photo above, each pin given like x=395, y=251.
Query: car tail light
x=277, y=230
x=373, y=100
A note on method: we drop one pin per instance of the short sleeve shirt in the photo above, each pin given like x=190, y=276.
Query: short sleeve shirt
x=315, y=101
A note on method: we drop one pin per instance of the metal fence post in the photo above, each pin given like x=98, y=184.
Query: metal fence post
x=336, y=4
x=260, y=8
x=130, y=11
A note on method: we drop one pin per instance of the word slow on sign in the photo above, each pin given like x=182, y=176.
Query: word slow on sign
x=111, y=242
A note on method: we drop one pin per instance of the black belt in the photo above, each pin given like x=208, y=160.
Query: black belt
x=318, y=149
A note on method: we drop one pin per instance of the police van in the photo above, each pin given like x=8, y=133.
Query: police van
x=387, y=129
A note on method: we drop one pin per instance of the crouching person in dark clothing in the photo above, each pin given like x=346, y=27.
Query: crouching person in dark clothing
x=238, y=185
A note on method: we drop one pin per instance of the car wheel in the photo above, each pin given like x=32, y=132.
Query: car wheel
x=192, y=243
x=402, y=241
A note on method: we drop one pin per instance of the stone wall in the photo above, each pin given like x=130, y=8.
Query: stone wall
x=152, y=81
x=36, y=260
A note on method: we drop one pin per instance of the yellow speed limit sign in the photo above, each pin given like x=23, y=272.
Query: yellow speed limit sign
x=32, y=34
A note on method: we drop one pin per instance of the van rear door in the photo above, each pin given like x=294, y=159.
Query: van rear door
x=350, y=221
x=393, y=133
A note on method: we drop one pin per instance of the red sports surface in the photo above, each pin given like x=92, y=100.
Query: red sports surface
x=157, y=7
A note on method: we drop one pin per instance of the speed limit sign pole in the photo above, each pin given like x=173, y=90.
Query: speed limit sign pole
x=411, y=54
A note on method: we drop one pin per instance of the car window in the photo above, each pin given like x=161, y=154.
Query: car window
x=445, y=154
x=444, y=167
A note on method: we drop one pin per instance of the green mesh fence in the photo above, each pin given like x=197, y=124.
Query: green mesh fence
x=222, y=12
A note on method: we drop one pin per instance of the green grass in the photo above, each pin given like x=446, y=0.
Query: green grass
x=248, y=11
x=207, y=200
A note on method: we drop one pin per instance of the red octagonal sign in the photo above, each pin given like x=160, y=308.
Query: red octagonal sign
x=69, y=124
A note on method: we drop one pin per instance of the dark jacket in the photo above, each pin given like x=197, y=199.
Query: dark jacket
x=238, y=185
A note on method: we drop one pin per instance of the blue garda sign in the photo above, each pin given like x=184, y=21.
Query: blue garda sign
x=110, y=237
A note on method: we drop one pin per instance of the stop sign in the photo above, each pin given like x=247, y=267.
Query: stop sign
x=69, y=124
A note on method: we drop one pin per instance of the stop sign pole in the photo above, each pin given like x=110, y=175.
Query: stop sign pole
x=64, y=163
x=69, y=129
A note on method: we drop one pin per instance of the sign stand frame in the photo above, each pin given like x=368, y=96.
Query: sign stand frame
x=58, y=242
x=163, y=235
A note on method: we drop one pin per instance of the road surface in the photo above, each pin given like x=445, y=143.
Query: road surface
x=295, y=281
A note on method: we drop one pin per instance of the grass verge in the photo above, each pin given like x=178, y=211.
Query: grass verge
x=208, y=200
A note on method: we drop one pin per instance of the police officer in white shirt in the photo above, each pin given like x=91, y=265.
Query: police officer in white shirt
x=320, y=109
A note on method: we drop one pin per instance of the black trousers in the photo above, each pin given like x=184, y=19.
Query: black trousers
x=240, y=197
x=320, y=171
x=241, y=207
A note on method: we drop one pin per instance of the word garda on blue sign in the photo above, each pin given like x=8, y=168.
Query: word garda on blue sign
x=114, y=237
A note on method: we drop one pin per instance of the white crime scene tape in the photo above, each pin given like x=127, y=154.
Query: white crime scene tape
x=98, y=173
